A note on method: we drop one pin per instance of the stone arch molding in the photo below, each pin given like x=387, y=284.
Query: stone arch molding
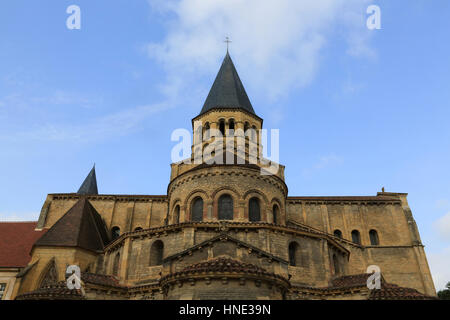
x=251, y=193
x=193, y=194
x=222, y=190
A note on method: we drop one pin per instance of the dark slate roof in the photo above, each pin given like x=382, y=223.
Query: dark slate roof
x=16, y=241
x=227, y=90
x=80, y=227
x=89, y=185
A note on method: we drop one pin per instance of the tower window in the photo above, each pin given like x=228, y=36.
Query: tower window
x=374, y=237
x=207, y=134
x=197, y=209
x=254, y=210
x=156, y=253
x=293, y=253
x=246, y=127
x=276, y=213
x=254, y=139
x=226, y=207
x=231, y=124
x=198, y=135
x=356, y=238
x=115, y=233
x=176, y=215
x=337, y=233
x=222, y=127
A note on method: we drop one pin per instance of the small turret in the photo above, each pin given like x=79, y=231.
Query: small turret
x=89, y=185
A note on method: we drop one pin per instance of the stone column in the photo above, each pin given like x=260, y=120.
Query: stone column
x=183, y=214
x=241, y=211
x=269, y=215
x=209, y=210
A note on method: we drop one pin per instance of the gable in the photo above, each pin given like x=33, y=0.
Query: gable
x=218, y=248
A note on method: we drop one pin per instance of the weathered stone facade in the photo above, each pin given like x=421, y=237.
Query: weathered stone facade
x=179, y=246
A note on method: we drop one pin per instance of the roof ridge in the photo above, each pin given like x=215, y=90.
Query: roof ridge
x=18, y=221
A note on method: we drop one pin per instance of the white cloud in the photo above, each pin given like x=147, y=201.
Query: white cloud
x=115, y=124
x=442, y=225
x=323, y=162
x=440, y=267
x=277, y=40
x=61, y=97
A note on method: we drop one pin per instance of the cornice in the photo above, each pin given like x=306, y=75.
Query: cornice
x=110, y=197
x=218, y=226
x=238, y=171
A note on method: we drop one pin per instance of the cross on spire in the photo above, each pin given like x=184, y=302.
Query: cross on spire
x=227, y=41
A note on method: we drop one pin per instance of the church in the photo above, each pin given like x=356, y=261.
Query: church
x=223, y=231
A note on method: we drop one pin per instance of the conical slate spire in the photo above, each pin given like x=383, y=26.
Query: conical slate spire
x=89, y=185
x=227, y=90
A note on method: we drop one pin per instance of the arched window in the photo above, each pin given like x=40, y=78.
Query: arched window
x=198, y=134
x=293, y=253
x=276, y=214
x=374, y=237
x=156, y=253
x=226, y=207
x=222, y=127
x=254, y=134
x=246, y=126
x=254, y=210
x=197, y=209
x=356, y=238
x=176, y=215
x=207, y=132
x=115, y=233
x=246, y=133
x=138, y=229
x=336, y=265
x=116, y=264
x=337, y=233
x=231, y=124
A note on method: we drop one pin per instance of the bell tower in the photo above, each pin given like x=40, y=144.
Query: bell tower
x=227, y=128
x=226, y=177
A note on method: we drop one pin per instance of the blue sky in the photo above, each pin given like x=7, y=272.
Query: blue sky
x=357, y=109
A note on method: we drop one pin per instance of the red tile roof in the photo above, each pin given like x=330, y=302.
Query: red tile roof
x=101, y=279
x=16, y=240
x=354, y=280
x=222, y=265
x=393, y=292
x=53, y=291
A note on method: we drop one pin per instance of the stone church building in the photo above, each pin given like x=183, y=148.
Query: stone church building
x=222, y=231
